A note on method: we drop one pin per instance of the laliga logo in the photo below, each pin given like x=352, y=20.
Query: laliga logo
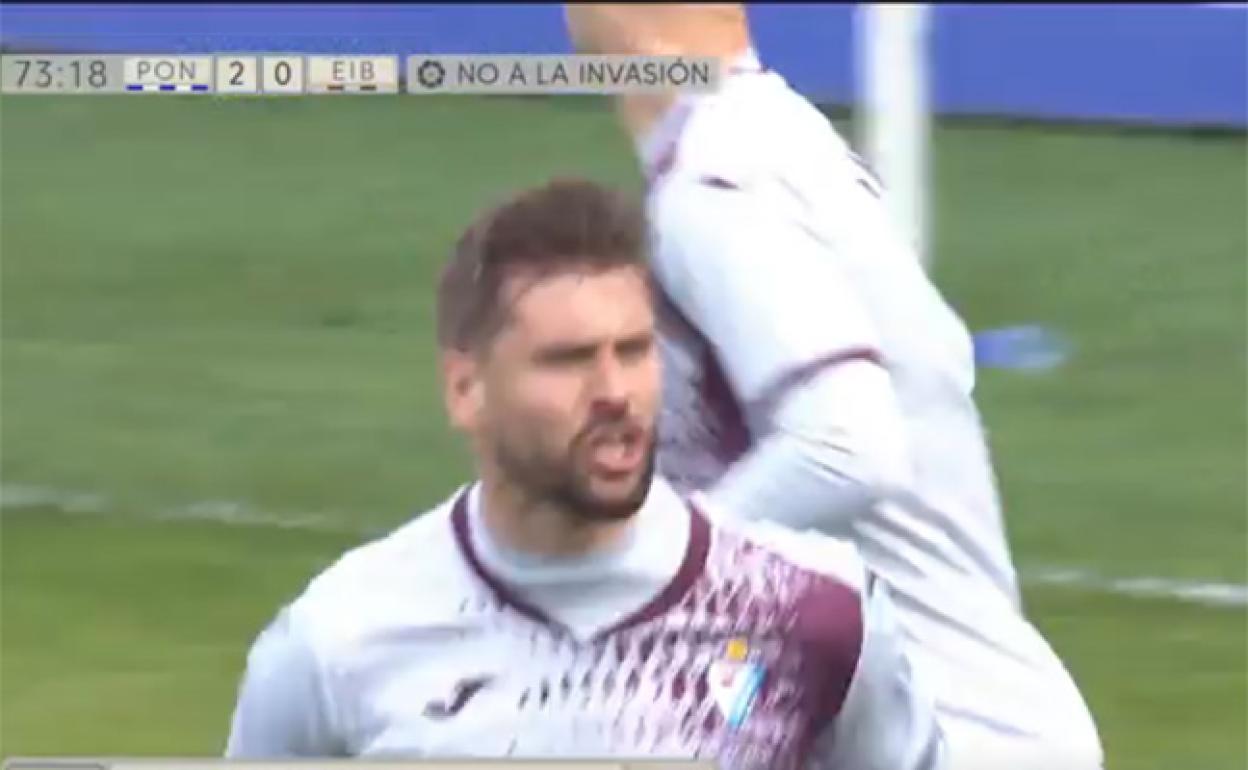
x=735, y=682
x=430, y=73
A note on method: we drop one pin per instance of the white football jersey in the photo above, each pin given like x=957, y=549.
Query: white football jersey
x=690, y=642
x=776, y=259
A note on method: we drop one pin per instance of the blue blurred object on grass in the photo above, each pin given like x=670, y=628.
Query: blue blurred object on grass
x=1029, y=348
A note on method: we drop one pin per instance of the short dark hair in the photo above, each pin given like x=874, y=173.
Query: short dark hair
x=565, y=224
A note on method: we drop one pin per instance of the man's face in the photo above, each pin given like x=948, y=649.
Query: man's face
x=657, y=28
x=570, y=390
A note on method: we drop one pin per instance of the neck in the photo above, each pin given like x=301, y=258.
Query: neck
x=639, y=112
x=517, y=521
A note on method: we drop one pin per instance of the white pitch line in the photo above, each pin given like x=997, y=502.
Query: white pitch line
x=232, y=513
x=24, y=496
x=1191, y=591
x=228, y=512
x=235, y=514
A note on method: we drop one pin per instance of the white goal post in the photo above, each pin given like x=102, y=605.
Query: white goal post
x=892, y=116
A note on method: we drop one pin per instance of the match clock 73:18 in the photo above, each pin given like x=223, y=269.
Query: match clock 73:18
x=59, y=74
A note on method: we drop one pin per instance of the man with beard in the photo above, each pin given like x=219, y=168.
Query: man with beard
x=569, y=603
x=815, y=378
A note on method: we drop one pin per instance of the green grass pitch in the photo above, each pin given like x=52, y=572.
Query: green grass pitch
x=229, y=302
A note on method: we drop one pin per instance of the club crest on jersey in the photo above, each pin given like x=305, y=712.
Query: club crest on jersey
x=735, y=681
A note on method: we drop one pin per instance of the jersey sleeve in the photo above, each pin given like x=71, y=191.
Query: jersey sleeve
x=283, y=708
x=763, y=289
x=800, y=352
x=888, y=720
x=833, y=448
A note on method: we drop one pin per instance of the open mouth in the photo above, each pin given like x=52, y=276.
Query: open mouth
x=616, y=451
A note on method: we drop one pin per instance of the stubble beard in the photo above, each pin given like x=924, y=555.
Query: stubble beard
x=565, y=484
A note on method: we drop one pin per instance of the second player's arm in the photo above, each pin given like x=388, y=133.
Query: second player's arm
x=888, y=720
x=801, y=355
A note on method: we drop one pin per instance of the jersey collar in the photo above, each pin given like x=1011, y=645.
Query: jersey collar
x=691, y=568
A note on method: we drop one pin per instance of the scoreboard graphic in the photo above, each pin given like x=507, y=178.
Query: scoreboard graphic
x=286, y=74
x=241, y=74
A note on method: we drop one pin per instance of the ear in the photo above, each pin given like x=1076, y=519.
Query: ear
x=462, y=389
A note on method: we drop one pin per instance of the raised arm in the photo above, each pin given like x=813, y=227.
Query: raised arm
x=799, y=351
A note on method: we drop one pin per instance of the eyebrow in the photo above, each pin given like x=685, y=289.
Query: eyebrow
x=576, y=349
x=565, y=350
x=637, y=339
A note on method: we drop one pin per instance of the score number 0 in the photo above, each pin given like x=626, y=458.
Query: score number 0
x=282, y=75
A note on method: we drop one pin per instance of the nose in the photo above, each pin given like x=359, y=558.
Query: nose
x=610, y=385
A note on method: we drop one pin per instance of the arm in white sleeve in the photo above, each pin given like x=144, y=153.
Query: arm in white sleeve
x=283, y=707
x=834, y=446
x=799, y=351
x=888, y=720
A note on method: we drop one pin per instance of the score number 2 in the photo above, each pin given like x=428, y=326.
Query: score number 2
x=237, y=75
